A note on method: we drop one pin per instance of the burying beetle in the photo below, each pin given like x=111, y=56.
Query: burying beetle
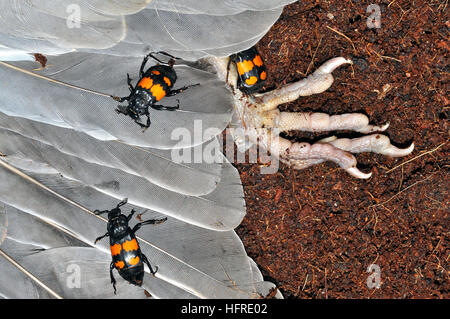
x=154, y=84
x=126, y=254
x=251, y=70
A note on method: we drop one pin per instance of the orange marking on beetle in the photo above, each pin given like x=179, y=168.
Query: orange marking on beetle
x=158, y=91
x=244, y=66
x=251, y=80
x=167, y=80
x=120, y=264
x=145, y=83
x=263, y=75
x=130, y=245
x=115, y=249
x=156, y=72
x=134, y=261
x=257, y=61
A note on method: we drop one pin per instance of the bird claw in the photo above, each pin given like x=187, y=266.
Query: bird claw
x=261, y=121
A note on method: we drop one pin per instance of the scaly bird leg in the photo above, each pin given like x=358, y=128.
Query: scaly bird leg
x=261, y=121
x=375, y=143
x=316, y=83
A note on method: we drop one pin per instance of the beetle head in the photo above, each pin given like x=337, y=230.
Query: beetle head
x=115, y=212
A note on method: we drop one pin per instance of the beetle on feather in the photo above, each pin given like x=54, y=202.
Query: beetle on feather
x=153, y=85
x=126, y=254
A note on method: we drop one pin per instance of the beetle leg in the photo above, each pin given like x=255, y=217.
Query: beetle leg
x=171, y=61
x=148, y=222
x=131, y=214
x=144, y=259
x=166, y=54
x=120, y=99
x=167, y=108
x=144, y=62
x=144, y=126
x=136, y=227
x=101, y=237
x=184, y=88
x=228, y=70
x=125, y=98
x=122, y=109
x=130, y=86
x=113, y=280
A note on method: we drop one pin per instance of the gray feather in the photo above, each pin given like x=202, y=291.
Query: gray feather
x=213, y=211
x=156, y=166
x=218, y=7
x=68, y=152
x=187, y=258
x=95, y=115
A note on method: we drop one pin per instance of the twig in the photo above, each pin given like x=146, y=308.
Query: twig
x=16, y=68
x=401, y=181
x=346, y=37
x=233, y=283
x=391, y=3
x=405, y=189
x=314, y=56
x=434, y=200
x=304, y=284
x=390, y=58
x=418, y=156
x=381, y=56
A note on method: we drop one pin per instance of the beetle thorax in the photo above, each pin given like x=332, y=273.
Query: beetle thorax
x=139, y=104
x=117, y=226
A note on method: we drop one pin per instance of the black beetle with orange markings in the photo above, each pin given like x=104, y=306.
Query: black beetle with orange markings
x=251, y=70
x=154, y=84
x=126, y=254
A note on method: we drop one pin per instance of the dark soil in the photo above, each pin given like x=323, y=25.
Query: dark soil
x=315, y=232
